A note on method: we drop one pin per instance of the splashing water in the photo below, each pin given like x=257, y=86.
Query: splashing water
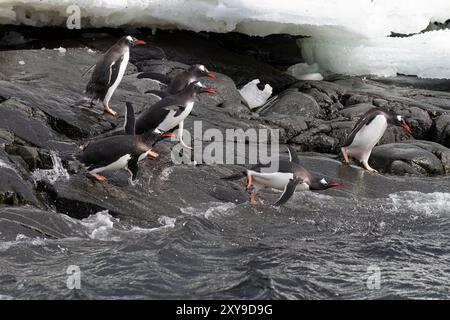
x=53, y=174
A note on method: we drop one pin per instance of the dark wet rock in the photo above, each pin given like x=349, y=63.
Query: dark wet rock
x=191, y=48
x=278, y=50
x=356, y=110
x=33, y=157
x=14, y=189
x=442, y=129
x=420, y=122
x=415, y=157
x=357, y=99
x=43, y=112
x=34, y=223
x=295, y=104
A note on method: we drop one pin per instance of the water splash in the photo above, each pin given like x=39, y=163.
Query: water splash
x=57, y=172
x=214, y=209
x=102, y=226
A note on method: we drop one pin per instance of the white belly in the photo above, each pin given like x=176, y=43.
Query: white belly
x=171, y=121
x=122, y=69
x=366, y=138
x=121, y=163
x=276, y=180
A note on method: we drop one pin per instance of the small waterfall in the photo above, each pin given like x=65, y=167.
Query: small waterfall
x=53, y=174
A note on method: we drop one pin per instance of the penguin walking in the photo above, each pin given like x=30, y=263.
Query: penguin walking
x=181, y=80
x=120, y=151
x=367, y=132
x=109, y=71
x=289, y=177
x=170, y=112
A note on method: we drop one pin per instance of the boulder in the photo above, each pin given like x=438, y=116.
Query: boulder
x=414, y=157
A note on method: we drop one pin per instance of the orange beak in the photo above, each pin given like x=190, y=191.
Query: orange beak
x=333, y=184
x=168, y=135
x=211, y=75
x=406, y=127
x=139, y=42
x=153, y=154
x=209, y=90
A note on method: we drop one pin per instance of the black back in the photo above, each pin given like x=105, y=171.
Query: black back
x=105, y=151
x=155, y=114
x=104, y=74
x=365, y=120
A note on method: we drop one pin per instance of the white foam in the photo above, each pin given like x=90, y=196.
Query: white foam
x=436, y=203
x=101, y=226
x=58, y=172
x=214, y=209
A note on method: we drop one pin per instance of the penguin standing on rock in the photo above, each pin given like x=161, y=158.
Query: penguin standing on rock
x=170, y=112
x=181, y=80
x=120, y=151
x=367, y=132
x=289, y=177
x=109, y=71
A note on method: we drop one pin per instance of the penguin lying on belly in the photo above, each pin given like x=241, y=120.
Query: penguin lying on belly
x=367, y=132
x=120, y=151
x=289, y=177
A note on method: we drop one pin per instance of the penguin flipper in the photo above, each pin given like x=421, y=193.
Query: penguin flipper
x=129, y=119
x=288, y=191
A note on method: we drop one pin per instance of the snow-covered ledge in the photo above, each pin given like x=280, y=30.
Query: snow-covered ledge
x=350, y=36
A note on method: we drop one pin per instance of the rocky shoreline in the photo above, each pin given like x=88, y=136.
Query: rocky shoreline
x=41, y=90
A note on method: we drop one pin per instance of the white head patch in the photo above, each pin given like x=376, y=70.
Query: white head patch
x=202, y=68
x=199, y=84
x=400, y=118
x=129, y=38
x=323, y=181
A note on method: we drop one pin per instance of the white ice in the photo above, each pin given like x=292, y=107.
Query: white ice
x=346, y=36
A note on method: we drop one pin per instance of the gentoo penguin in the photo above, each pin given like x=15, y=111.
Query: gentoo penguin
x=109, y=71
x=289, y=177
x=120, y=151
x=170, y=112
x=181, y=81
x=367, y=132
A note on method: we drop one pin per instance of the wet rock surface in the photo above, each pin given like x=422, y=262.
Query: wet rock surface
x=43, y=110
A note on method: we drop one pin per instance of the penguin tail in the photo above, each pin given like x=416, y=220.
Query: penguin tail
x=235, y=176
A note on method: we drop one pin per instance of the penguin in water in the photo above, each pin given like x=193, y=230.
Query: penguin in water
x=120, y=151
x=181, y=81
x=289, y=177
x=367, y=132
x=109, y=71
x=170, y=112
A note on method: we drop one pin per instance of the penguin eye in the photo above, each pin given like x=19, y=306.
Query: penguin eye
x=323, y=181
